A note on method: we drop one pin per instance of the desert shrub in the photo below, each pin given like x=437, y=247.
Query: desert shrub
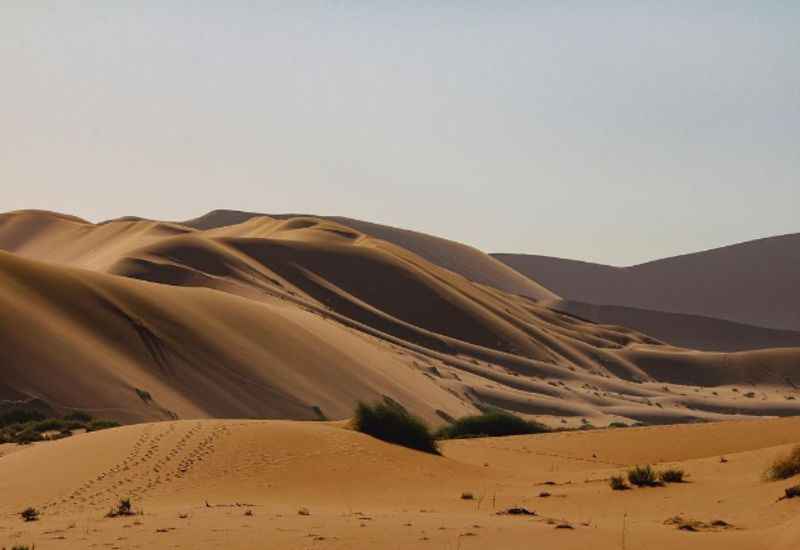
x=26, y=437
x=617, y=483
x=144, y=395
x=48, y=425
x=786, y=466
x=96, y=425
x=29, y=514
x=122, y=508
x=671, y=475
x=394, y=425
x=467, y=496
x=490, y=424
x=617, y=425
x=643, y=476
x=20, y=416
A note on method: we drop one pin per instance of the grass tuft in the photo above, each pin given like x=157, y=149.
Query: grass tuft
x=123, y=508
x=490, y=424
x=672, y=475
x=29, y=514
x=785, y=467
x=643, y=476
x=394, y=424
x=617, y=483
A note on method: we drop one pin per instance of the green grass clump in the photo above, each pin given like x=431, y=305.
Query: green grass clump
x=672, y=475
x=490, y=424
x=785, y=467
x=643, y=476
x=393, y=424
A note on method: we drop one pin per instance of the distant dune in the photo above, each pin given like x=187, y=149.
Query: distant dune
x=459, y=258
x=752, y=283
x=687, y=331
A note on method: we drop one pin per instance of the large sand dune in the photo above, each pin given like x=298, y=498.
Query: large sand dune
x=280, y=484
x=302, y=317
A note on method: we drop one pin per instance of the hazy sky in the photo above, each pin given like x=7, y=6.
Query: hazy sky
x=611, y=131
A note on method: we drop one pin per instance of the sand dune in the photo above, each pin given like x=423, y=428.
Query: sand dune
x=302, y=317
x=459, y=258
x=245, y=316
x=242, y=484
x=762, y=275
x=684, y=330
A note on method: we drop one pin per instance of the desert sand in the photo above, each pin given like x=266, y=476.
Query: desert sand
x=236, y=345
x=249, y=484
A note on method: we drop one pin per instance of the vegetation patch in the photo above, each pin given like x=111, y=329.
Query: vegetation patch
x=643, y=476
x=491, y=423
x=25, y=426
x=672, y=475
x=121, y=509
x=394, y=424
x=617, y=483
x=785, y=467
x=693, y=525
x=29, y=514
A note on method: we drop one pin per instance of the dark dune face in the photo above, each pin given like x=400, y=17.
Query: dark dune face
x=752, y=283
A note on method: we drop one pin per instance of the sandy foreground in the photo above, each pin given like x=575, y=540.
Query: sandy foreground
x=287, y=484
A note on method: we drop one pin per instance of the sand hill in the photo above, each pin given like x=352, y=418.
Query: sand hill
x=761, y=274
x=751, y=284
x=215, y=324
x=300, y=317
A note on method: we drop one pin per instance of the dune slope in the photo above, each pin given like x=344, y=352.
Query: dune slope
x=301, y=317
x=762, y=275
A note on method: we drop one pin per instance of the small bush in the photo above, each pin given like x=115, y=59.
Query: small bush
x=617, y=483
x=144, y=395
x=672, y=475
x=467, y=496
x=786, y=466
x=394, y=425
x=123, y=508
x=29, y=514
x=26, y=437
x=490, y=424
x=643, y=476
x=617, y=425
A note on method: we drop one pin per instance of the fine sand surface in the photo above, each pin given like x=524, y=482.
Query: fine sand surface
x=283, y=484
x=753, y=283
x=301, y=317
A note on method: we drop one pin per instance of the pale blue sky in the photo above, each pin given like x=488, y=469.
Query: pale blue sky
x=607, y=131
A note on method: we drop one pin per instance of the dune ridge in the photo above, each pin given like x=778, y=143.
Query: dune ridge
x=300, y=317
